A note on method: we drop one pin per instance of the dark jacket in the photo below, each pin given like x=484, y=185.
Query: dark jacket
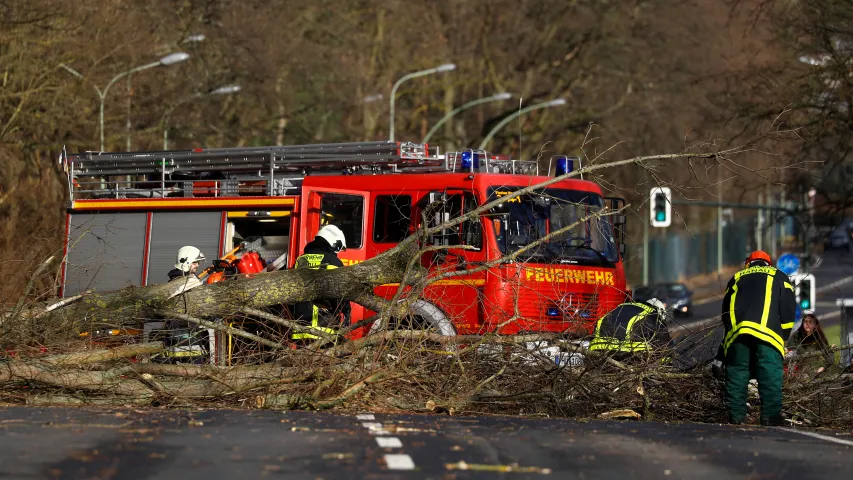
x=631, y=327
x=177, y=273
x=805, y=344
x=319, y=254
x=760, y=303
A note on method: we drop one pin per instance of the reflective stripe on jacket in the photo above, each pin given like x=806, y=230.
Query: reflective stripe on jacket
x=630, y=327
x=317, y=256
x=759, y=302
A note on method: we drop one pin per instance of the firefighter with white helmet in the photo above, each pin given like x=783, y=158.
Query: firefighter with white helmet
x=185, y=343
x=321, y=253
x=186, y=262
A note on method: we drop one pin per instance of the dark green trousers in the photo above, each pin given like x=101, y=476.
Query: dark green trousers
x=749, y=354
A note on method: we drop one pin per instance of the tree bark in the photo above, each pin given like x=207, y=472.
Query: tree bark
x=95, y=356
x=355, y=283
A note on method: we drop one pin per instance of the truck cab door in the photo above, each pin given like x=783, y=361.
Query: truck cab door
x=343, y=208
x=457, y=293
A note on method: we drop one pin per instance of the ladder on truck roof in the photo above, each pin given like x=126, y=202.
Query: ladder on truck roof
x=279, y=168
x=260, y=171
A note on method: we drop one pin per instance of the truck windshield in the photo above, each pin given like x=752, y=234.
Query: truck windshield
x=520, y=221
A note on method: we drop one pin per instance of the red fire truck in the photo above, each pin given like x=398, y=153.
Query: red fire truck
x=129, y=213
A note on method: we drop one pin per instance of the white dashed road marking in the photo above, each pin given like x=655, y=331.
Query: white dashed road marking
x=399, y=461
x=819, y=436
x=394, y=461
x=389, y=442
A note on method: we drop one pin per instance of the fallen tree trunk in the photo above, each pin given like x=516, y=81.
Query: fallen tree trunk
x=355, y=283
x=96, y=356
x=94, y=381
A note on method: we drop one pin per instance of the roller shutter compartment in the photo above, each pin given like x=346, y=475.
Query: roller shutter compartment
x=105, y=251
x=172, y=230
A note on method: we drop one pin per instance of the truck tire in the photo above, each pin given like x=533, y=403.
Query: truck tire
x=428, y=316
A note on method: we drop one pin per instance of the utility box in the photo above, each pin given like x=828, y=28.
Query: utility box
x=846, y=305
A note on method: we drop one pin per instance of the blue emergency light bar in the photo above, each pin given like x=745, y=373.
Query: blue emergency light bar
x=565, y=165
x=469, y=158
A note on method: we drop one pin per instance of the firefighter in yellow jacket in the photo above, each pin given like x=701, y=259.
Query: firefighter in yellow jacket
x=758, y=314
x=321, y=253
x=631, y=328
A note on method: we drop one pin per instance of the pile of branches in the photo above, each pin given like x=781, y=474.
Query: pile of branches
x=408, y=371
x=394, y=370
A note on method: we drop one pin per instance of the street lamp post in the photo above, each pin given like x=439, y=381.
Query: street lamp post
x=224, y=90
x=441, y=68
x=493, y=98
x=170, y=59
x=553, y=103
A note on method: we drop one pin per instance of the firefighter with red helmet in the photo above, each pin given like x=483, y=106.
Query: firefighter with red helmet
x=322, y=253
x=757, y=313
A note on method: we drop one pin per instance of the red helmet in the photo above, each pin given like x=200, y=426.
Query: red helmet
x=758, y=255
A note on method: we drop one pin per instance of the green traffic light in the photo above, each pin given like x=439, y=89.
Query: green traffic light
x=805, y=304
x=660, y=216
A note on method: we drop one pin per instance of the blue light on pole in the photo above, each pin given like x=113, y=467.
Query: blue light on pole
x=565, y=165
x=470, y=159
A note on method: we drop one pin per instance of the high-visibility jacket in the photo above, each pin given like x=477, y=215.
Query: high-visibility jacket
x=319, y=255
x=630, y=327
x=759, y=302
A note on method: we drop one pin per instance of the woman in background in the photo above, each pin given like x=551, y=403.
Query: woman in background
x=809, y=338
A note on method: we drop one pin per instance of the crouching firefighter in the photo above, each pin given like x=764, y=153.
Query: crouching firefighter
x=632, y=328
x=324, y=317
x=758, y=314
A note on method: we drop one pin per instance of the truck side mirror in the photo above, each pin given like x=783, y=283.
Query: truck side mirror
x=619, y=225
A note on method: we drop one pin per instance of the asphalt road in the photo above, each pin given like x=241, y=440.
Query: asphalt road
x=700, y=335
x=134, y=444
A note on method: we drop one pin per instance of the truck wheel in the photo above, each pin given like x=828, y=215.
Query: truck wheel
x=424, y=316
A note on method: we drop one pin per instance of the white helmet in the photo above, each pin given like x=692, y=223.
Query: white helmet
x=334, y=236
x=656, y=303
x=187, y=256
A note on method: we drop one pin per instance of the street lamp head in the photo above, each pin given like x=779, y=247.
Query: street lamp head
x=226, y=90
x=447, y=67
x=196, y=38
x=556, y=102
x=819, y=61
x=503, y=96
x=174, y=58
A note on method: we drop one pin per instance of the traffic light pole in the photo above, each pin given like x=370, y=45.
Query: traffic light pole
x=646, y=250
x=719, y=224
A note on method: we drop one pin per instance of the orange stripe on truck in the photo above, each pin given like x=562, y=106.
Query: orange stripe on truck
x=168, y=203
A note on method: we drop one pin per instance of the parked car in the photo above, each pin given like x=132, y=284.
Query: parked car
x=679, y=298
x=645, y=292
x=676, y=296
x=840, y=236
